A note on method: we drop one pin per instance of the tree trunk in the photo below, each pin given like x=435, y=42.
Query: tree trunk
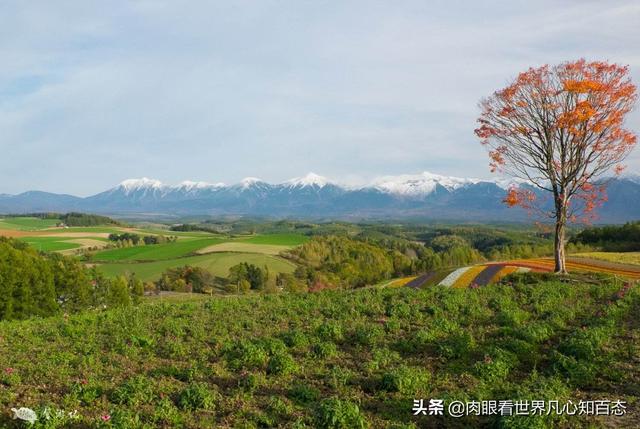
x=558, y=253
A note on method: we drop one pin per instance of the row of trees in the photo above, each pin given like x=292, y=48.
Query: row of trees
x=612, y=238
x=188, y=279
x=36, y=284
x=132, y=239
x=243, y=278
x=83, y=219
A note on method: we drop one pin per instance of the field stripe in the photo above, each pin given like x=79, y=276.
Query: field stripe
x=420, y=280
x=466, y=279
x=451, y=278
x=484, y=278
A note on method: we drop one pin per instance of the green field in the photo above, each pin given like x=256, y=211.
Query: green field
x=245, y=247
x=333, y=359
x=155, y=252
x=278, y=239
x=27, y=223
x=87, y=229
x=149, y=262
x=632, y=258
x=217, y=263
x=49, y=244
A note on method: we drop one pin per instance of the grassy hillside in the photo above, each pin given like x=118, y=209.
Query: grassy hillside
x=332, y=359
x=50, y=244
x=217, y=263
x=27, y=223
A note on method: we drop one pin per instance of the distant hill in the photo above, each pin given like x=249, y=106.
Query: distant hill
x=424, y=196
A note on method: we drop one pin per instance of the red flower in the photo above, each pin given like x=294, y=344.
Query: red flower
x=9, y=370
x=106, y=418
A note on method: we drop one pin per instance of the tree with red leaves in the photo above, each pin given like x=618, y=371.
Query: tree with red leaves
x=560, y=129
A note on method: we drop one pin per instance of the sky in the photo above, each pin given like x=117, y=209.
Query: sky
x=94, y=92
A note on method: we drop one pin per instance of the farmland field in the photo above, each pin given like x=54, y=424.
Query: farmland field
x=217, y=263
x=245, y=247
x=632, y=258
x=330, y=359
x=27, y=223
x=278, y=239
x=155, y=252
x=50, y=244
x=213, y=252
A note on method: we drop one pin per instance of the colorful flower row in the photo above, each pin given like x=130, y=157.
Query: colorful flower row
x=453, y=277
x=468, y=277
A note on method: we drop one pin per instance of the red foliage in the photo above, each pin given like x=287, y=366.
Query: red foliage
x=560, y=128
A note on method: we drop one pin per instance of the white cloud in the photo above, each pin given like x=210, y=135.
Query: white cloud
x=217, y=91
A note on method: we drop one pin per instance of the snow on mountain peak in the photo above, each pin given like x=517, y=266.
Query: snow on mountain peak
x=311, y=179
x=189, y=185
x=247, y=182
x=420, y=184
x=131, y=185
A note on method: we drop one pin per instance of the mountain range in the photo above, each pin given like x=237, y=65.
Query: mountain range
x=420, y=196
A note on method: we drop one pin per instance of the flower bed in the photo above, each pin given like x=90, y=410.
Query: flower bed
x=453, y=277
x=468, y=277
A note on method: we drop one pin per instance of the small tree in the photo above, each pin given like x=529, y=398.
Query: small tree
x=119, y=292
x=560, y=129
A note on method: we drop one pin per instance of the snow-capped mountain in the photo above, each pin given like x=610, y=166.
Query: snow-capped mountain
x=423, y=195
x=420, y=184
x=310, y=180
x=131, y=186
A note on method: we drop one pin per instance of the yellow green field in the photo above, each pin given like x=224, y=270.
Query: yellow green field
x=244, y=247
x=216, y=263
x=213, y=252
x=632, y=258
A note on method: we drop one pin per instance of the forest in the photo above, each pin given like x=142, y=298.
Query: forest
x=44, y=284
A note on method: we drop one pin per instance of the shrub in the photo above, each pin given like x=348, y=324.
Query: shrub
x=334, y=413
x=330, y=331
x=281, y=364
x=496, y=365
x=246, y=355
x=586, y=344
x=405, y=380
x=304, y=394
x=196, y=396
x=382, y=357
x=367, y=335
x=457, y=345
x=324, y=350
x=249, y=381
x=295, y=338
x=135, y=391
x=339, y=377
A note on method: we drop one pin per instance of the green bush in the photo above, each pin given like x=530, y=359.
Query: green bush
x=197, y=396
x=246, y=355
x=405, y=380
x=330, y=331
x=304, y=394
x=324, y=349
x=457, y=345
x=135, y=391
x=334, y=413
x=281, y=364
x=296, y=338
x=368, y=335
x=249, y=381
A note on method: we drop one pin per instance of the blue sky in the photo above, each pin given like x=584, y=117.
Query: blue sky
x=92, y=93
